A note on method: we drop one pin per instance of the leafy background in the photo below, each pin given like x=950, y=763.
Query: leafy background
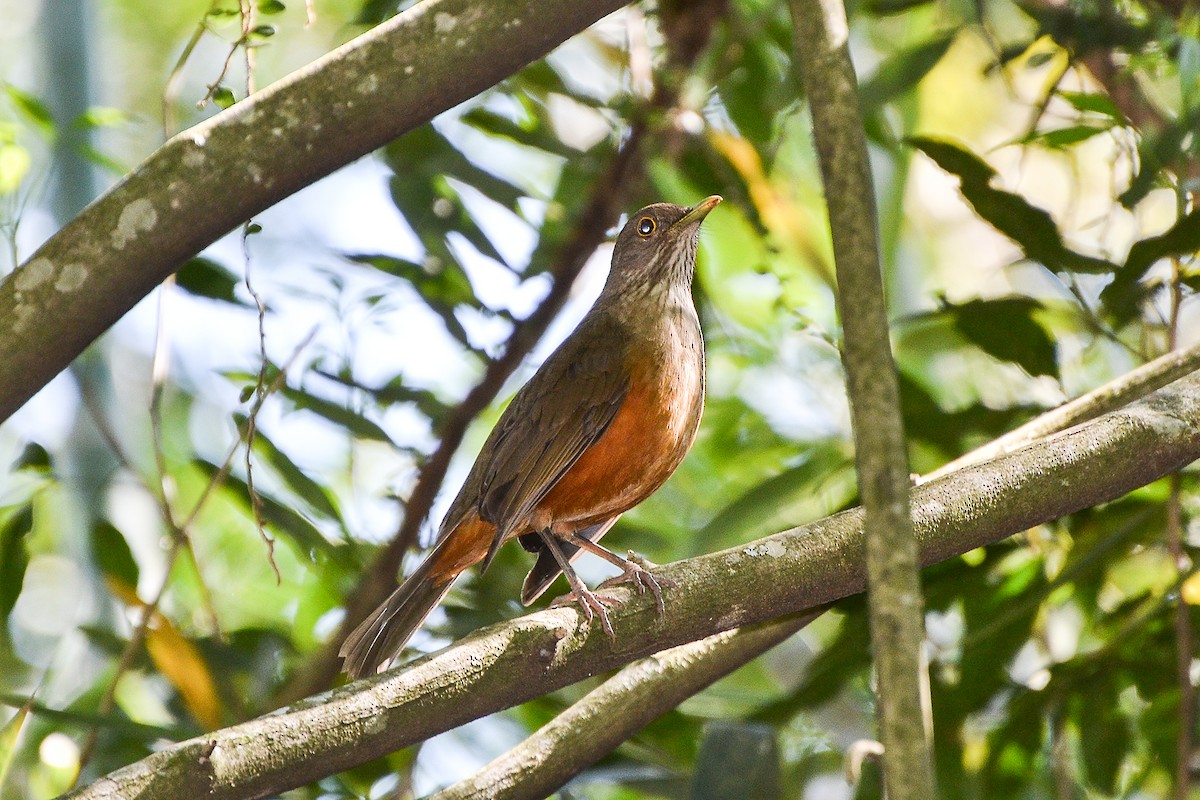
x=1035, y=167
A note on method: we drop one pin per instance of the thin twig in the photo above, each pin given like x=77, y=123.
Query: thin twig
x=260, y=396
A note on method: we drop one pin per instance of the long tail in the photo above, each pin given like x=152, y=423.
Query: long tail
x=381, y=636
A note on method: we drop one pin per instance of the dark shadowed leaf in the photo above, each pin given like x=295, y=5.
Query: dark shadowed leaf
x=113, y=555
x=396, y=392
x=1122, y=297
x=1029, y=226
x=204, y=277
x=1106, y=735
x=1005, y=329
x=443, y=285
x=902, y=71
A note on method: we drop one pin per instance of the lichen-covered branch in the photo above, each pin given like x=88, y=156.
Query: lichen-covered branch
x=210, y=178
x=616, y=710
x=510, y=663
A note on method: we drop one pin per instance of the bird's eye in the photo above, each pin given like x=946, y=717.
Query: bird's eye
x=646, y=226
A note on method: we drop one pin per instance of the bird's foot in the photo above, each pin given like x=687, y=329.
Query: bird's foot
x=590, y=605
x=638, y=573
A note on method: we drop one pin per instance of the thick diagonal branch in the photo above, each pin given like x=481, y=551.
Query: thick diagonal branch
x=510, y=663
x=210, y=178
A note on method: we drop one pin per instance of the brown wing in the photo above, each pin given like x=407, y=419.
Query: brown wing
x=563, y=409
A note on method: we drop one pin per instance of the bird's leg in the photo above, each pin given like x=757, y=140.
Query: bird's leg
x=635, y=569
x=589, y=603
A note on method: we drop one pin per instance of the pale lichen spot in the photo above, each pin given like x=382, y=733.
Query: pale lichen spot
x=771, y=548
x=256, y=173
x=23, y=314
x=193, y=158
x=199, y=139
x=33, y=274
x=443, y=22
x=71, y=277
x=462, y=42
x=137, y=217
x=409, y=70
x=369, y=85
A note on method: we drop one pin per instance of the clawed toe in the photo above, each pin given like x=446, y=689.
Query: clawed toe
x=639, y=575
x=591, y=606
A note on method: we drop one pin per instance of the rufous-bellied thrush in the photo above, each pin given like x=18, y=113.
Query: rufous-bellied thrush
x=598, y=428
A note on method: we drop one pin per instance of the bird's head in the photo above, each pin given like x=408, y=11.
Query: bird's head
x=657, y=246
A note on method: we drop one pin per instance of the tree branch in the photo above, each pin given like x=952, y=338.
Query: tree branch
x=616, y=710
x=512, y=662
x=208, y=179
x=821, y=35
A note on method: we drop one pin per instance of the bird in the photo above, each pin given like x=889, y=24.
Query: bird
x=597, y=429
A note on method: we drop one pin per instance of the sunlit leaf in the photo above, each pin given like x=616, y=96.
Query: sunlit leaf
x=14, y=166
x=10, y=733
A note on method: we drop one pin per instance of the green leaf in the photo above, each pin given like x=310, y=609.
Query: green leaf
x=33, y=109
x=1063, y=138
x=15, y=162
x=395, y=392
x=33, y=457
x=784, y=500
x=14, y=556
x=113, y=555
x=1005, y=329
x=444, y=286
x=1122, y=297
x=309, y=541
x=204, y=277
x=103, y=117
x=884, y=7
x=271, y=7
x=899, y=73
x=223, y=97
x=344, y=417
x=1032, y=228
x=1106, y=736
x=1094, y=103
x=305, y=487
x=10, y=733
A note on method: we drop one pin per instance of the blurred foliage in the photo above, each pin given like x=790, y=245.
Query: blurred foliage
x=1036, y=168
